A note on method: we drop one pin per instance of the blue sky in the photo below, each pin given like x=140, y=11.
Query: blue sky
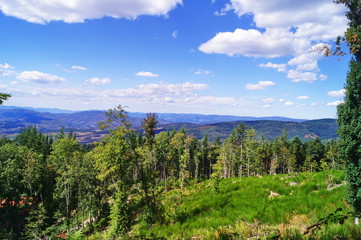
x=235, y=57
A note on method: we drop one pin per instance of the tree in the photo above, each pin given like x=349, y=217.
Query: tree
x=64, y=159
x=20, y=187
x=149, y=124
x=115, y=118
x=297, y=151
x=4, y=97
x=349, y=113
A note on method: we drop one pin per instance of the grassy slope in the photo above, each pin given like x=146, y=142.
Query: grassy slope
x=244, y=205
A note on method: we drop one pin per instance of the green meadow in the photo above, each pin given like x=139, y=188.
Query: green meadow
x=268, y=207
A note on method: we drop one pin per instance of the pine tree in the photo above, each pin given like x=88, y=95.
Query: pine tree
x=4, y=97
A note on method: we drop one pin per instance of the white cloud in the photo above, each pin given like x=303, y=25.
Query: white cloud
x=305, y=62
x=6, y=70
x=306, y=21
x=320, y=19
x=146, y=74
x=268, y=100
x=6, y=73
x=169, y=100
x=335, y=104
x=339, y=93
x=39, y=77
x=323, y=77
x=6, y=66
x=98, y=81
x=291, y=28
x=79, y=10
x=224, y=10
x=142, y=91
x=303, y=97
x=79, y=68
x=201, y=72
x=158, y=94
x=297, y=76
x=266, y=106
x=289, y=103
x=260, y=85
x=253, y=43
x=279, y=67
x=211, y=100
x=175, y=34
x=282, y=100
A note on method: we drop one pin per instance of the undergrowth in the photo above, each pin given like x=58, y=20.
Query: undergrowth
x=244, y=208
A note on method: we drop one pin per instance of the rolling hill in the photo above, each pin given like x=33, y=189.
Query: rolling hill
x=84, y=123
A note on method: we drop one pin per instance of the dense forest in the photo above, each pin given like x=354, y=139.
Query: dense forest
x=53, y=186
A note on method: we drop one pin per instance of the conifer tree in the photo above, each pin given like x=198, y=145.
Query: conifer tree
x=4, y=97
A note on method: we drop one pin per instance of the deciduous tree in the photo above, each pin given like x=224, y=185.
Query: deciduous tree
x=349, y=113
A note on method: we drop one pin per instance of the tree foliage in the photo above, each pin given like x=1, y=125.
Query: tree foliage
x=349, y=113
x=52, y=188
x=4, y=97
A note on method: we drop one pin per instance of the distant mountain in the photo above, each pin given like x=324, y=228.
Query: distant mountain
x=207, y=119
x=49, y=110
x=325, y=129
x=12, y=120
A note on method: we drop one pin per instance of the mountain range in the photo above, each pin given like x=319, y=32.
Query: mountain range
x=84, y=123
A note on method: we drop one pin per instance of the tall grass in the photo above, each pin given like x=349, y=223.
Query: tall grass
x=244, y=206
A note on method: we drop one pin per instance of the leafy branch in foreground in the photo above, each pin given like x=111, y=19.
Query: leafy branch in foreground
x=335, y=217
x=4, y=97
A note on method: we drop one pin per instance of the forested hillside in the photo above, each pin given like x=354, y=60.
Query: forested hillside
x=85, y=124
x=111, y=187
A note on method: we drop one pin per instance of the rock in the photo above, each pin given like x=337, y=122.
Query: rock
x=273, y=194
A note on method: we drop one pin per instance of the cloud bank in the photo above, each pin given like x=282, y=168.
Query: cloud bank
x=283, y=28
x=39, y=11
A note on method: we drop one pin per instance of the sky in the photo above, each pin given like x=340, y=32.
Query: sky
x=231, y=57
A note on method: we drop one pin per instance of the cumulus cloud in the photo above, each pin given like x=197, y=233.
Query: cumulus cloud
x=306, y=22
x=297, y=76
x=253, y=43
x=79, y=68
x=303, y=97
x=289, y=103
x=146, y=74
x=279, y=67
x=321, y=19
x=334, y=104
x=39, y=77
x=98, y=81
x=79, y=10
x=260, y=85
x=339, y=93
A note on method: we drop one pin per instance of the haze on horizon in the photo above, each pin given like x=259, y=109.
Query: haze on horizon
x=227, y=57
